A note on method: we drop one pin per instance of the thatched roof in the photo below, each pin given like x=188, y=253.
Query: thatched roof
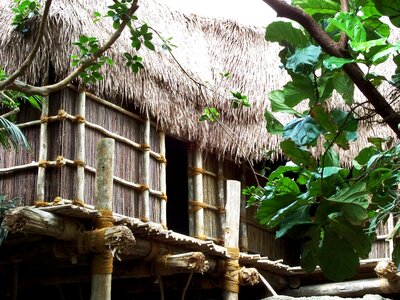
x=206, y=47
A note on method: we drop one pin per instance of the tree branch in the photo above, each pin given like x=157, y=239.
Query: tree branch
x=10, y=113
x=32, y=54
x=344, y=39
x=382, y=107
x=45, y=90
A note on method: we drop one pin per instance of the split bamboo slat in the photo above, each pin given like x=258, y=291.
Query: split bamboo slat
x=221, y=194
x=43, y=143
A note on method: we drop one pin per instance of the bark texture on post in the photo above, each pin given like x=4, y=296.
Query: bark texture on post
x=231, y=230
x=102, y=264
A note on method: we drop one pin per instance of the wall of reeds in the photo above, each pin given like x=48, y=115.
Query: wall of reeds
x=138, y=190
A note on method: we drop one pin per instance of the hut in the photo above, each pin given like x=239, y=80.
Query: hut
x=169, y=182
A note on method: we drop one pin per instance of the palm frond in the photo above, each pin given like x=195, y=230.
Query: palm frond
x=11, y=135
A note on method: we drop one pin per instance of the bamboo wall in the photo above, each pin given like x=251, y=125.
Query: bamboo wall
x=135, y=181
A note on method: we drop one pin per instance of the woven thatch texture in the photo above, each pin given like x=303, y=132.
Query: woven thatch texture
x=205, y=47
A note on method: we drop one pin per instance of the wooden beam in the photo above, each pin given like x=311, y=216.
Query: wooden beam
x=43, y=143
x=145, y=174
x=199, y=231
x=347, y=289
x=102, y=263
x=163, y=180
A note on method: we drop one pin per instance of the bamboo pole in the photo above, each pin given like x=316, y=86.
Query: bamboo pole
x=163, y=180
x=221, y=195
x=102, y=263
x=43, y=142
x=80, y=155
x=231, y=237
x=190, y=190
x=145, y=176
x=244, y=243
x=198, y=195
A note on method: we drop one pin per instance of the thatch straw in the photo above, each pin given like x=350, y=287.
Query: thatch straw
x=206, y=47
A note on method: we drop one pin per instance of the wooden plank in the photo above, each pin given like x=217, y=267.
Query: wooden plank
x=80, y=149
x=43, y=143
x=198, y=196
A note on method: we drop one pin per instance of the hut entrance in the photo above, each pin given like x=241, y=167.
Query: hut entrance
x=177, y=186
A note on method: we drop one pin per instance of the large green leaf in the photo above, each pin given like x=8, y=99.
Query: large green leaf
x=355, y=236
x=269, y=209
x=338, y=261
x=298, y=156
x=317, y=7
x=351, y=25
x=334, y=63
x=310, y=250
x=304, y=60
x=356, y=214
x=390, y=8
x=278, y=104
x=298, y=216
x=282, y=170
x=344, y=86
x=298, y=89
x=331, y=158
x=355, y=194
x=367, y=45
x=303, y=131
x=273, y=125
x=285, y=32
x=323, y=118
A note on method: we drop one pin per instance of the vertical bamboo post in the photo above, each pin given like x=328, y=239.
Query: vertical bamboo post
x=221, y=195
x=190, y=190
x=390, y=225
x=232, y=211
x=198, y=195
x=103, y=262
x=43, y=143
x=244, y=243
x=163, y=179
x=145, y=199
x=80, y=155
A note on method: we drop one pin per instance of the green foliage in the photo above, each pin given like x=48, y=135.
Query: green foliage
x=334, y=210
x=5, y=205
x=210, y=114
x=24, y=10
x=239, y=100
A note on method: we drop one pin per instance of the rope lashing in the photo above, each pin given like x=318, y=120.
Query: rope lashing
x=44, y=119
x=80, y=119
x=79, y=163
x=162, y=159
x=163, y=196
x=60, y=162
x=143, y=187
x=105, y=220
x=78, y=202
x=62, y=115
x=197, y=205
x=102, y=263
x=201, y=237
x=232, y=270
x=193, y=171
x=145, y=147
x=43, y=163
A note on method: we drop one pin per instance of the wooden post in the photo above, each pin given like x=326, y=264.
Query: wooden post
x=145, y=200
x=221, y=195
x=43, y=142
x=80, y=152
x=102, y=262
x=198, y=195
x=244, y=243
x=231, y=230
x=163, y=181
x=190, y=190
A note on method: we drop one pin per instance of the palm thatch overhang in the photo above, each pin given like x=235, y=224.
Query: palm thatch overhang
x=173, y=97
